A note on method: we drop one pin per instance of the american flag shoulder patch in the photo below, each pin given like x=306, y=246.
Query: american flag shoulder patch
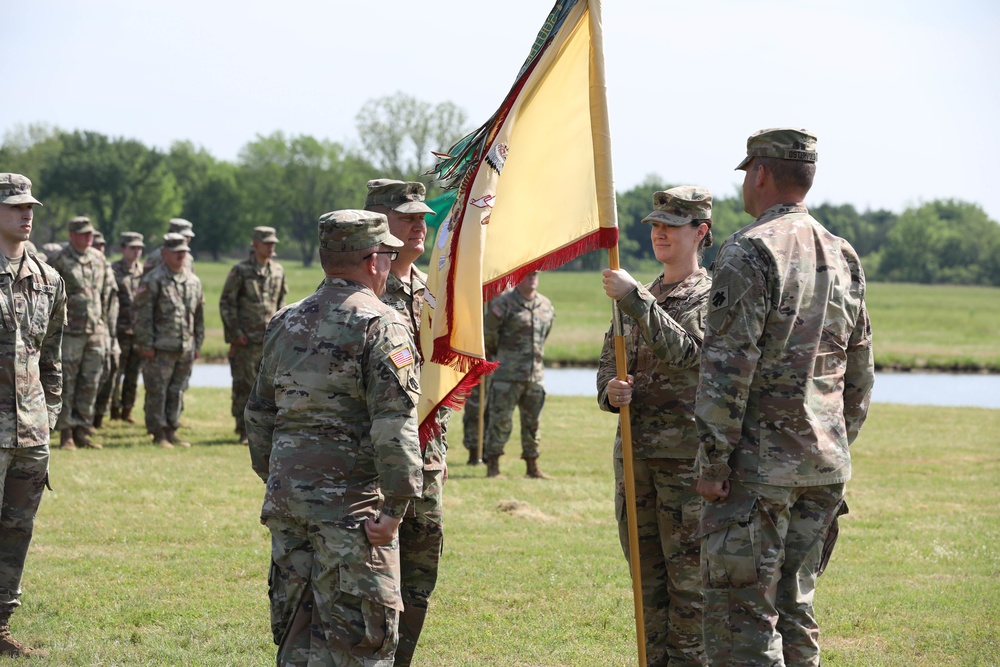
x=401, y=356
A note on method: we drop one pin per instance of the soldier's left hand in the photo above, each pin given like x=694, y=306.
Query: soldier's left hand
x=618, y=283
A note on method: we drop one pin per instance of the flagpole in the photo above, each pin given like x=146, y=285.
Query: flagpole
x=625, y=422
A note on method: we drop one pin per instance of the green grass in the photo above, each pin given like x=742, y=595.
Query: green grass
x=944, y=327
x=151, y=557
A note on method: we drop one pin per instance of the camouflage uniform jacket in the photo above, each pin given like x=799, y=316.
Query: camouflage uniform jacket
x=786, y=368
x=128, y=284
x=251, y=295
x=113, y=306
x=515, y=330
x=408, y=300
x=169, y=311
x=663, y=336
x=32, y=315
x=88, y=290
x=332, y=418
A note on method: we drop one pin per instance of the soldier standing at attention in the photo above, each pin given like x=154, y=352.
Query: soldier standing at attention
x=516, y=326
x=112, y=351
x=175, y=226
x=85, y=338
x=421, y=536
x=663, y=324
x=332, y=422
x=128, y=274
x=786, y=378
x=169, y=331
x=254, y=291
x=32, y=312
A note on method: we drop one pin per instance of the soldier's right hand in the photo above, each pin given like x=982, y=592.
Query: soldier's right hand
x=382, y=531
x=147, y=353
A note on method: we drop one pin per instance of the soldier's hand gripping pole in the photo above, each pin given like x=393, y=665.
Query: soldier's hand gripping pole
x=621, y=367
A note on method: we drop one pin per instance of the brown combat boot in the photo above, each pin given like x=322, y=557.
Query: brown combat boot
x=116, y=412
x=127, y=415
x=533, y=471
x=493, y=467
x=160, y=440
x=174, y=440
x=98, y=420
x=82, y=438
x=11, y=647
x=66, y=439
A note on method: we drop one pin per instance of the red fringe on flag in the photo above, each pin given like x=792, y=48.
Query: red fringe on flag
x=455, y=400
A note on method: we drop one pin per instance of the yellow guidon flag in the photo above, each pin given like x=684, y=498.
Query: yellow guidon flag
x=534, y=191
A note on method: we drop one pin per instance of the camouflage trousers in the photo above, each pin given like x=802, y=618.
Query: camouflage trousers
x=667, y=512
x=127, y=375
x=421, y=542
x=23, y=472
x=165, y=377
x=528, y=397
x=334, y=597
x=244, y=362
x=762, y=551
x=83, y=366
x=107, y=384
x=470, y=417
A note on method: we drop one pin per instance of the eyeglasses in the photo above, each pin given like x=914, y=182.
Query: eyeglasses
x=393, y=254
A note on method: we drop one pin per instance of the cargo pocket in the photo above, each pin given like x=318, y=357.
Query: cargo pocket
x=831, y=538
x=381, y=603
x=730, y=551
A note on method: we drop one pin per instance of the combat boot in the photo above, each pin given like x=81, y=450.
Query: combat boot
x=533, y=471
x=493, y=466
x=11, y=647
x=116, y=412
x=82, y=438
x=98, y=420
x=474, y=460
x=174, y=440
x=127, y=416
x=160, y=440
x=66, y=439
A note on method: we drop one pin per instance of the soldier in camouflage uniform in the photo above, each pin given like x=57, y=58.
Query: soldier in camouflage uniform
x=128, y=275
x=32, y=313
x=332, y=423
x=254, y=291
x=786, y=378
x=470, y=421
x=421, y=535
x=169, y=332
x=175, y=226
x=663, y=324
x=112, y=350
x=85, y=338
x=516, y=326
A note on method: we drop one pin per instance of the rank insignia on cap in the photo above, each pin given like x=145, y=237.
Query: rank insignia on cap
x=401, y=356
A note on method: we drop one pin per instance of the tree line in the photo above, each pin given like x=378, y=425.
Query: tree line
x=287, y=181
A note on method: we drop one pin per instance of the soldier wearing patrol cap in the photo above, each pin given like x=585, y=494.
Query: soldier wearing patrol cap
x=128, y=275
x=175, y=226
x=421, y=536
x=32, y=313
x=663, y=324
x=338, y=367
x=786, y=378
x=85, y=337
x=255, y=290
x=112, y=352
x=169, y=332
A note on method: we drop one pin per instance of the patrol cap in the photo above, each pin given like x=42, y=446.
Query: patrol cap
x=99, y=238
x=175, y=242
x=181, y=226
x=401, y=196
x=81, y=225
x=132, y=240
x=343, y=231
x=15, y=190
x=681, y=206
x=265, y=234
x=785, y=143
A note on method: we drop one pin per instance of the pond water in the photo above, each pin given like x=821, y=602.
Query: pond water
x=943, y=389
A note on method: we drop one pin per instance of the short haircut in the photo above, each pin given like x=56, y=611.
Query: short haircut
x=334, y=261
x=789, y=174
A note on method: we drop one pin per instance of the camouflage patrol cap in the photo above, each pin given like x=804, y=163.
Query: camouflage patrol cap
x=182, y=227
x=175, y=242
x=681, y=206
x=81, y=225
x=132, y=240
x=343, y=231
x=400, y=196
x=785, y=143
x=265, y=234
x=99, y=238
x=15, y=190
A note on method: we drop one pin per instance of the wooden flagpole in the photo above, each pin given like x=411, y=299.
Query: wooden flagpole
x=621, y=367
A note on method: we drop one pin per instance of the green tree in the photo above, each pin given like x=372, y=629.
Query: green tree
x=28, y=150
x=212, y=198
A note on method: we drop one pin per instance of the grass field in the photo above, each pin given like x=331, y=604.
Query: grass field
x=916, y=326
x=145, y=556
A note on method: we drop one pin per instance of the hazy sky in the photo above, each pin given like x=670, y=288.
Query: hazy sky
x=904, y=96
